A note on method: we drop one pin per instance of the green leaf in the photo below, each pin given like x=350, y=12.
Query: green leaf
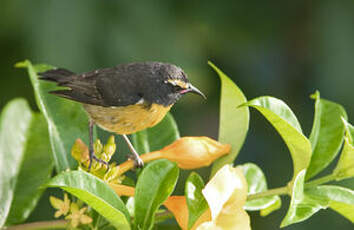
x=15, y=122
x=36, y=168
x=233, y=122
x=333, y=193
x=155, y=183
x=340, y=199
x=346, y=210
x=327, y=134
x=257, y=183
x=194, y=197
x=302, y=206
x=287, y=125
x=349, y=131
x=271, y=208
x=66, y=119
x=141, y=142
x=157, y=137
x=96, y=194
x=345, y=165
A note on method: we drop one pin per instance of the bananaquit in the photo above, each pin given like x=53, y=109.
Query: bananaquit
x=124, y=99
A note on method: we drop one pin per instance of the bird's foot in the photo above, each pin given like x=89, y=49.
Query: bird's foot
x=138, y=162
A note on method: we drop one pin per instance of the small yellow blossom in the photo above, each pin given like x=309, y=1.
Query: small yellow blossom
x=63, y=206
x=78, y=216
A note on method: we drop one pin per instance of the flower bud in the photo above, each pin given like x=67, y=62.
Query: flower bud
x=80, y=152
x=194, y=152
x=110, y=146
x=98, y=147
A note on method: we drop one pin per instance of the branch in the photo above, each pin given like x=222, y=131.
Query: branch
x=55, y=224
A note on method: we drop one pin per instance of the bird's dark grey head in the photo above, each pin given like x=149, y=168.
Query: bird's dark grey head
x=173, y=83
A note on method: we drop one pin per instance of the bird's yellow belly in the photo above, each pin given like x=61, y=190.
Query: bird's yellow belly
x=127, y=119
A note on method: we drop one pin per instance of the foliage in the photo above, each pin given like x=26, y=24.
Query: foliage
x=32, y=143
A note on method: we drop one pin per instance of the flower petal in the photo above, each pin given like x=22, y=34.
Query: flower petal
x=228, y=186
x=85, y=219
x=56, y=202
x=123, y=190
x=178, y=206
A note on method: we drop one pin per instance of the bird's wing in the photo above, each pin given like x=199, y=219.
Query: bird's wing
x=118, y=86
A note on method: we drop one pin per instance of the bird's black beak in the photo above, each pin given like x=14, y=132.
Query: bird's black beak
x=192, y=89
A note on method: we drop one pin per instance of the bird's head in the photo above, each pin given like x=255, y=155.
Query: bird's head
x=175, y=82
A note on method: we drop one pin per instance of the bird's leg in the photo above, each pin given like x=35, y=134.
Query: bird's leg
x=92, y=152
x=138, y=162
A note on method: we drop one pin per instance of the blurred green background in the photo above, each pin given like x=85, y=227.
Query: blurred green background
x=286, y=49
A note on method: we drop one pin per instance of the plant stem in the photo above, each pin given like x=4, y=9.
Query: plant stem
x=129, y=164
x=55, y=224
x=271, y=192
x=321, y=180
x=285, y=190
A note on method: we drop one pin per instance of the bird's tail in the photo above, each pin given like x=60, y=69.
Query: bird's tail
x=57, y=75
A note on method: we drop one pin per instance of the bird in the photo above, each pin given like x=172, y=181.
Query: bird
x=123, y=99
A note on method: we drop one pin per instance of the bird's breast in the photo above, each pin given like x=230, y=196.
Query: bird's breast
x=127, y=119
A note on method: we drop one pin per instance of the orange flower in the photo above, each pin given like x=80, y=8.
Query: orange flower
x=123, y=190
x=194, y=152
x=187, y=152
x=178, y=206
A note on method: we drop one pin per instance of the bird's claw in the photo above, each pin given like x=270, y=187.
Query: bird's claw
x=138, y=162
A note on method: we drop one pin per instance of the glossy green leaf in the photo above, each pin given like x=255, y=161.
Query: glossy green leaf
x=345, y=165
x=35, y=170
x=346, y=210
x=15, y=122
x=155, y=183
x=271, y=208
x=287, y=125
x=66, y=119
x=327, y=134
x=257, y=183
x=157, y=137
x=302, y=206
x=233, y=121
x=140, y=141
x=196, y=202
x=333, y=193
x=340, y=199
x=96, y=194
x=349, y=129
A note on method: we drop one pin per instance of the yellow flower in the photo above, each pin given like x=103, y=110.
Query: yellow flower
x=78, y=216
x=226, y=194
x=63, y=206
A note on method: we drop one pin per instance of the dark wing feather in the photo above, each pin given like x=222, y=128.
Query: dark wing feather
x=105, y=87
x=81, y=88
